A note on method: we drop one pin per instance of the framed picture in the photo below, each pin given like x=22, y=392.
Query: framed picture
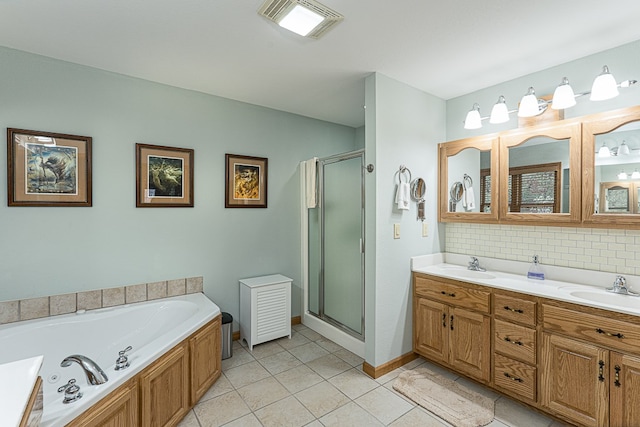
x=246, y=182
x=164, y=177
x=48, y=169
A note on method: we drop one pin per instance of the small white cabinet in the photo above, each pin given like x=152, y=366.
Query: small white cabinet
x=265, y=309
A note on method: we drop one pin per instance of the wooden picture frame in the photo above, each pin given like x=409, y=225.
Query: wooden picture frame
x=246, y=181
x=164, y=177
x=48, y=169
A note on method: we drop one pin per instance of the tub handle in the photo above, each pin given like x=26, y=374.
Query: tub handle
x=71, y=391
x=123, y=362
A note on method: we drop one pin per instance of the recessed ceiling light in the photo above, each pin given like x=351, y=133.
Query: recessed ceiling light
x=305, y=17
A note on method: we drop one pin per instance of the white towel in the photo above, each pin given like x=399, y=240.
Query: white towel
x=402, y=196
x=469, y=199
x=310, y=181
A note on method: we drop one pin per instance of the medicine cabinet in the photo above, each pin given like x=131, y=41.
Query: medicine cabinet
x=468, y=166
x=611, y=165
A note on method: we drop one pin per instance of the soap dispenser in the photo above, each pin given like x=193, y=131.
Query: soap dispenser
x=535, y=271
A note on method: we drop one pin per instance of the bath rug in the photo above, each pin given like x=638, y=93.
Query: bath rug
x=449, y=400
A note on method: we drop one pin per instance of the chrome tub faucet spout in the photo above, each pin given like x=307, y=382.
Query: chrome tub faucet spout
x=95, y=375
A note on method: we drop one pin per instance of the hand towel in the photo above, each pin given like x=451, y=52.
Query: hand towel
x=469, y=198
x=402, y=196
x=310, y=181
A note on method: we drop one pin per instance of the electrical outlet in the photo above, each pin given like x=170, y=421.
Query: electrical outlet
x=425, y=229
x=396, y=231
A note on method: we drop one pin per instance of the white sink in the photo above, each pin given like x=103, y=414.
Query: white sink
x=472, y=274
x=609, y=298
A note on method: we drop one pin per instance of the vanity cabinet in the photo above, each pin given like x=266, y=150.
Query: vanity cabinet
x=452, y=326
x=590, y=366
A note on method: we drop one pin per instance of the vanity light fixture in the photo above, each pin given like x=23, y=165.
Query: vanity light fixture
x=635, y=174
x=473, y=120
x=604, y=87
x=623, y=149
x=307, y=18
x=622, y=175
x=604, y=151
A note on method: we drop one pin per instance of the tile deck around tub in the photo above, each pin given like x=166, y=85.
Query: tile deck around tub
x=309, y=380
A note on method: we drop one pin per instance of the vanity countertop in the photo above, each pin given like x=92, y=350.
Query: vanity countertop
x=581, y=290
x=19, y=378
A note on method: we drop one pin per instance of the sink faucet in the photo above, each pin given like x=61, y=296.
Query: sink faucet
x=620, y=287
x=474, y=265
x=95, y=375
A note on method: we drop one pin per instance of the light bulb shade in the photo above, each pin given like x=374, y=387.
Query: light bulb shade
x=473, y=120
x=604, y=151
x=604, y=86
x=635, y=174
x=623, y=149
x=563, y=97
x=529, y=105
x=622, y=175
x=499, y=112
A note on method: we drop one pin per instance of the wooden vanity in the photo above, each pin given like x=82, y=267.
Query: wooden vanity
x=577, y=363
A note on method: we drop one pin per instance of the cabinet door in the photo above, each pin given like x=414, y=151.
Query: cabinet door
x=575, y=380
x=470, y=343
x=625, y=390
x=119, y=408
x=431, y=329
x=164, y=389
x=206, y=358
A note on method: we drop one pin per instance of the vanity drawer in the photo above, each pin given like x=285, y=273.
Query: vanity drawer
x=515, y=341
x=515, y=309
x=451, y=294
x=602, y=330
x=517, y=377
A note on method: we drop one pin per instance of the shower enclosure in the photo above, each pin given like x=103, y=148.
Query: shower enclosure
x=335, y=247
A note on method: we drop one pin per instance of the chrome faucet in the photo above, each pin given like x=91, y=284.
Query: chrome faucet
x=620, y=287
x=474, y=265
x=95, y=375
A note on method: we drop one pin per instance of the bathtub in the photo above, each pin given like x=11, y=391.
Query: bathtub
x=151, y=328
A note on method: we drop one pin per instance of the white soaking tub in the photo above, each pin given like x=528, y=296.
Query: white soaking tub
x=151, y=328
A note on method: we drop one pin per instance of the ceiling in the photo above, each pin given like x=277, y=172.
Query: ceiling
x=223, y=47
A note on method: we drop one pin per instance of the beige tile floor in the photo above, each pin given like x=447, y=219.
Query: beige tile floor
x=309, y=380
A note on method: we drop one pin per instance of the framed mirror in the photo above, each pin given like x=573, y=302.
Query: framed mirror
x=540, y=174
x=467, y=169
x=611, y=165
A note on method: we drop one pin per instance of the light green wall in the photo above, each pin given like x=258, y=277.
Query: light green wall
x=46, y=251
x=403, y=127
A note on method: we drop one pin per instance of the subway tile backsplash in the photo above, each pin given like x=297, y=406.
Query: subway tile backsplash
x=614, y=251
x=33, y=308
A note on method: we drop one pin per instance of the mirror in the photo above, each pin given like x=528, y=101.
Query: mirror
x=541, y=173
x=467, y=169
x=612, y=151
x=418, y=188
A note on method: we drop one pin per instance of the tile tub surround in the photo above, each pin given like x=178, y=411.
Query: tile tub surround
x=610, y=250
x=311, y=381
x=34, y=308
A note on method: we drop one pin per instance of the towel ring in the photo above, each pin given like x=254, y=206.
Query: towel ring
x=466, y=179
x=403, y=170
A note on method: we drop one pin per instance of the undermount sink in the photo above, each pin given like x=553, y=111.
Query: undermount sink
x=472, y=274
x=605, y=297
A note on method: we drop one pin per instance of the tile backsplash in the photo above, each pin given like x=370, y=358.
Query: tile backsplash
x=33, y=308
x=608, y=250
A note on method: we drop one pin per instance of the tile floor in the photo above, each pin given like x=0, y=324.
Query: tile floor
x=309, y=380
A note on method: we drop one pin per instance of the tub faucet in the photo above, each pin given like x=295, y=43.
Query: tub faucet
x=474, y=265
x=95, y=375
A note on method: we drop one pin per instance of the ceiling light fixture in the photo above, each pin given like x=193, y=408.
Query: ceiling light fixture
x=307, y=18
x=604, y=87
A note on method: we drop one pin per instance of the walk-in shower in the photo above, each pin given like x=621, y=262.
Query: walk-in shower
x=333, y=242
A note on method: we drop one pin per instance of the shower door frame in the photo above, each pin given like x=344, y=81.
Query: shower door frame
x=321, y=308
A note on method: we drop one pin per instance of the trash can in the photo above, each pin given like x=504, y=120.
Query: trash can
x=227, y=320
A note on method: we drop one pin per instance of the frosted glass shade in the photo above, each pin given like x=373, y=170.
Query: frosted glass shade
x=529, y=104
x=622, y=175
x=604, y=151
x=604, y=86
x=473, y=120
x=623, y=149
x=499, y=112
x=563, y=97
x=301, y=20
x=635, y=174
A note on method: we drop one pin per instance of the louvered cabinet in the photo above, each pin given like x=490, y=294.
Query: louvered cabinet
x=265, y=309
